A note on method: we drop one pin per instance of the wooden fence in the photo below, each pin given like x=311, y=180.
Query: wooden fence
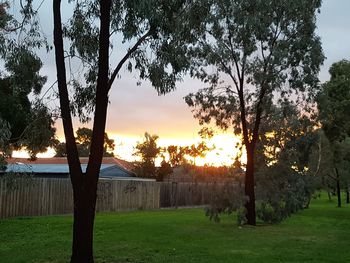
x=54, y=196
x=47, y=196
x=175, y=194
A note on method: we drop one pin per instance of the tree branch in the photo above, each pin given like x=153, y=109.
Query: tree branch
x=125, y=58
x=72, y=151
x=234, y=56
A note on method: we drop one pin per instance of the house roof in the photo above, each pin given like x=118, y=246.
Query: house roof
x=110, y=167
x=58, y=160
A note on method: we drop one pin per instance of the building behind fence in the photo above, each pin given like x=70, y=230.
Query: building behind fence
x=46, y=196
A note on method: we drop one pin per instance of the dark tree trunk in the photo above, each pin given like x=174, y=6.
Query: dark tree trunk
x=249, y=188
x=347, y=192
x=329, y=195
x=84, y=185
x=338, y=194
x=71, y=147
x=338, y=187
x=84, y=215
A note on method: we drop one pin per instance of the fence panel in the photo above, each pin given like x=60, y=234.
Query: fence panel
x=43, y=196
x=174, y=194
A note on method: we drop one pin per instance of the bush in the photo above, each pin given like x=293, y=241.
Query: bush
x=227, y=197
x=271, y=213
x=282, y=191
x=241, y=216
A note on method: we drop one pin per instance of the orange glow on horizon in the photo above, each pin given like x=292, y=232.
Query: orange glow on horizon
x=224, y=151
x=23, y=154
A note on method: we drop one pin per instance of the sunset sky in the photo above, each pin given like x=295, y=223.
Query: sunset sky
x=136, y=109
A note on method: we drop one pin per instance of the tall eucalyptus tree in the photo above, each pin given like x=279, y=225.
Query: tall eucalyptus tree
x=150, y=29
x=253, y=54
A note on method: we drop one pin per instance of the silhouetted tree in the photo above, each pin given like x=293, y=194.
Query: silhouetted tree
x=148, y=151
x=83, y=141
x=269, y=51
x=176, y=155
x=149, y=28
x=29, y=121
x=334, y=105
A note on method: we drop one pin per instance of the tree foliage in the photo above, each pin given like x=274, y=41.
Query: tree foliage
x=285, y=165
x=152, y=36
x=148, y=30
x=198, y=150
x=288, y=136
x=266, y=51
x=334, y=105
x=83, y=141
x=176, y=155
x=148, y=151
x=29, y=121
x=334, y=102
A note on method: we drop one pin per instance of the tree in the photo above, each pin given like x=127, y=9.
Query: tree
x=287, y=135
x=333, y=106
x=176, y=155
x=29, y=121
x=164, y=170
x=285, y=172
x=269, y=52
x=334, y=165
x=285, y=169
x=148, y=30
x=198, y=150
x=60, y=149
x=148, y=151
x=5, y=135
x=83, y=141
x=40, y=132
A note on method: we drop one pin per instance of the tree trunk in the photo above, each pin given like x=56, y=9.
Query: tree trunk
x=84, y=185
x=347, y=194
x=338, y=187
x=249, y=188
x=338, y=193
x=84, y=215
x=329, y=195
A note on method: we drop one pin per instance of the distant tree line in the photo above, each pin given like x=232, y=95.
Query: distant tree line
x=148, y=151
x=83, y=141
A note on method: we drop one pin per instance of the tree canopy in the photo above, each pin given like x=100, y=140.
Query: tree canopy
x=334, y=102
x=148, y=151
x=333, y=105
x=83, y=140
x=148, y=30
x=29, y=121
x=267, y=52
x=151, y=36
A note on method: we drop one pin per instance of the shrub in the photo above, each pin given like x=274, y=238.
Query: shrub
x=271, y=213
x=282, y=191
x=227, y=197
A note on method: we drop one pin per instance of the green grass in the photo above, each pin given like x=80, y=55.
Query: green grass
x=318, y=234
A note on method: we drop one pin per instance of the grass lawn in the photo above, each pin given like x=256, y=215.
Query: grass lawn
x=318, y=234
